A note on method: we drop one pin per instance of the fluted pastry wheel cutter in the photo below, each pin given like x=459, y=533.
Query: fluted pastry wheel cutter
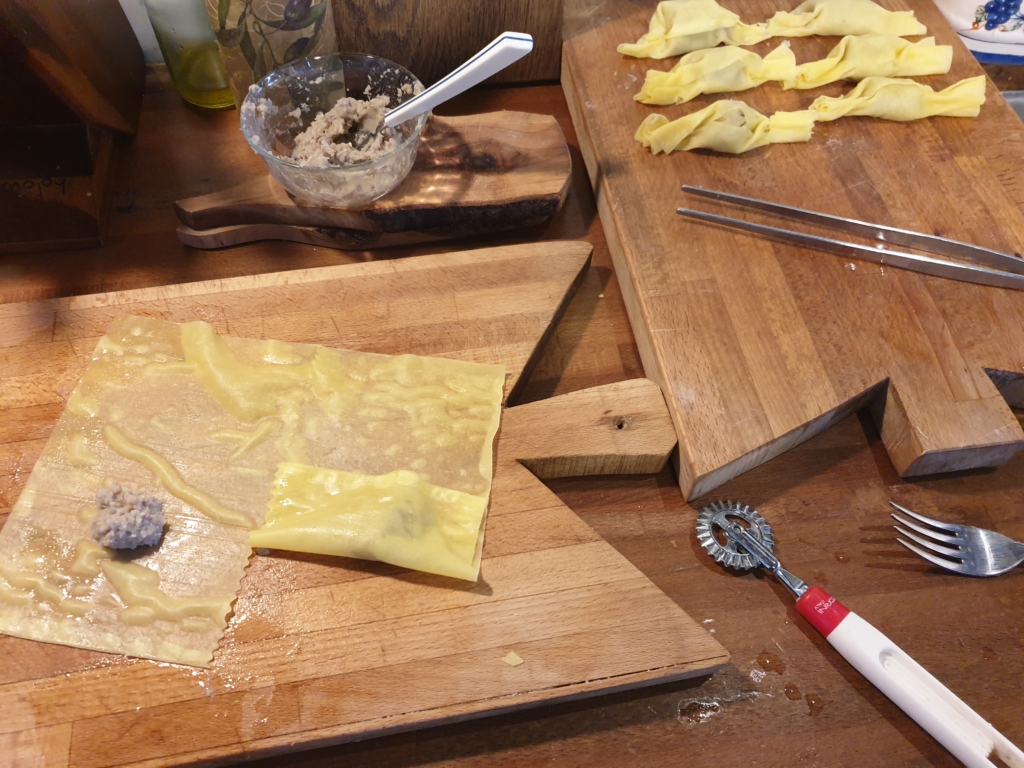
x=738, y=537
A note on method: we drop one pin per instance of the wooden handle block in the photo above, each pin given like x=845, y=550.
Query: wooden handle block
x=621, y=428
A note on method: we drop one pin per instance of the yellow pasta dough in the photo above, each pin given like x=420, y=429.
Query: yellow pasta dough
x=902, y=100
x=681, y=26
x=716, y=70
x=396, y=518
x=859, y=57
x=202, y=422
x=843, y=17
x=725, y=126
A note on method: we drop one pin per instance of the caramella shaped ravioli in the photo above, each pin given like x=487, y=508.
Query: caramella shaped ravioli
x=843, y=17
x=896, y=99
x=681, y=26
x=396, y=518
x=716, y=70
x=725, y=126
x=857, y=57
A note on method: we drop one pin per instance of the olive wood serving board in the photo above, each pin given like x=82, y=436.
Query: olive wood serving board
x=473, y=174
x=758, y=345
x=322, y=650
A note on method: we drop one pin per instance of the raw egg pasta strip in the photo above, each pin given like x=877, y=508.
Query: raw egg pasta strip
x=203, y=421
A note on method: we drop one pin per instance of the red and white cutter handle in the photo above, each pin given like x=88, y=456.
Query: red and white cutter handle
x=932, y=705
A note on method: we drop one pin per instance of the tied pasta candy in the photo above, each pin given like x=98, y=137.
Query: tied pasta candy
x=682, y=26
x=860, y=57
x=725, y=126
x=843, y=17
x=716, y=70
x=902, y=100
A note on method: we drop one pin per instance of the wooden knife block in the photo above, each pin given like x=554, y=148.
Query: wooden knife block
x=71, y=77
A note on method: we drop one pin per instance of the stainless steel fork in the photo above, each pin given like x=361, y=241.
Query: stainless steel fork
x=963, y=548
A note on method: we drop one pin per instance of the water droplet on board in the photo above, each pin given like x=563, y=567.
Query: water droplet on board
x=842, y=557
x=792, y=692
x=815, y=704
x=771, y=663
x=987, y=653
x=697, y=711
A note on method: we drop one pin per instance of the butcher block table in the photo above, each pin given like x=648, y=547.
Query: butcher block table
x=785, y=697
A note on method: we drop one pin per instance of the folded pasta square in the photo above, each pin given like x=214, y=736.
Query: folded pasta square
x=397, y=518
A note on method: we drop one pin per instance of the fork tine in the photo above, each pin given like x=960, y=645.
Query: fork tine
x=951, y=551
x=927, y=532
x=949, y=565
x=926, y=520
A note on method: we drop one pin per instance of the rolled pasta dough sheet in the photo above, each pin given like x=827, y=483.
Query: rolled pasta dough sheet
x=716, y=70
x=902, y=100
x=860, y=57
x=202, y=421
x=725, y=126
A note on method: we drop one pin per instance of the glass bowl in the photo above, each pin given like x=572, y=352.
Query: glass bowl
x=284, y=103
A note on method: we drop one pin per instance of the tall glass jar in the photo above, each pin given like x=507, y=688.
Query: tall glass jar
x=258, y=36
x=190, y=51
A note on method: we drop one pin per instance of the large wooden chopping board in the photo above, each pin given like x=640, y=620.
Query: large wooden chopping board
x=322, y=650
x=759, y=346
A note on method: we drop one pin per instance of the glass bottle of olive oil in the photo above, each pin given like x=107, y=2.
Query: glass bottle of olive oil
x=190, y=51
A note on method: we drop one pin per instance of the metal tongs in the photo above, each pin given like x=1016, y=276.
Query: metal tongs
x=985, y=267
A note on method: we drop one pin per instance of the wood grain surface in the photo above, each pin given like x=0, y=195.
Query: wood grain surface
x=86, y=53
x=480, y=173
x=432, y=37
x=763, y=345
x=323, y=649
x=826, y=499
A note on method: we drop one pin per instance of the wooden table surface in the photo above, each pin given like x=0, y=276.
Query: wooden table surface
x=787, y=698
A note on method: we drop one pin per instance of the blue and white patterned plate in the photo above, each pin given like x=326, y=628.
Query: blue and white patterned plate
x=993, y=31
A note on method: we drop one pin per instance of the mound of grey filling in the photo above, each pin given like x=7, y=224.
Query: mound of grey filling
x=126, y=519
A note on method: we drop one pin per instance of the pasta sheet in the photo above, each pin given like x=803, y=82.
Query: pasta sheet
x=203, y=421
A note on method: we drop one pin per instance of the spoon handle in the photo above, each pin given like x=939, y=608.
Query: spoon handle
x=507, y=48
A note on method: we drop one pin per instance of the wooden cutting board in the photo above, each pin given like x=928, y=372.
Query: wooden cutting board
x=474, y=173
x=759, y=345
x=322, y=650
